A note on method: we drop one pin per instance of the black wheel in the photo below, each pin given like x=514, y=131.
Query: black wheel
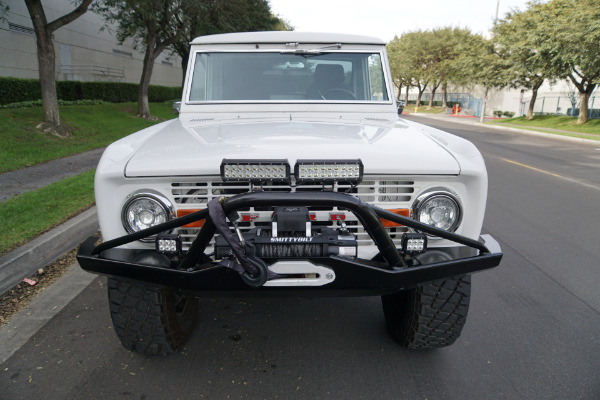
x=151, y=319
x=429, y=316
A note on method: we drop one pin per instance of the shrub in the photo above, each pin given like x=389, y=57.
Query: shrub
x=508, y=114
x=16, y=90
x=497, y=113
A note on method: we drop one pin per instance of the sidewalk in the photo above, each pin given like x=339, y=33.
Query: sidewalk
x=14, y=183
x=512, y=128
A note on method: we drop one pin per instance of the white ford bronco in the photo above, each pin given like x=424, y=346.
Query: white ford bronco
x=289, y=172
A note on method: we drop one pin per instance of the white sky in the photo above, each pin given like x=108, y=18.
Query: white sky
x=385, y=18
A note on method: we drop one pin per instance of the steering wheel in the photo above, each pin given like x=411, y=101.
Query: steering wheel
x=339, y=94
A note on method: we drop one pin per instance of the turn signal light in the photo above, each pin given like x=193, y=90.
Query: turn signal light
x=400, y=211
x=183, y=213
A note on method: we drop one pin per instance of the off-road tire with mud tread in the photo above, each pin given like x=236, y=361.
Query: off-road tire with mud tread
x=151, y=319
x=431, y=315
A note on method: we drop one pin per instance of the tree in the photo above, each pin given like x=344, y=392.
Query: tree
x=430, y=59
x=223, y=16
x=46, y=58
x=398, y=66
x=153, y=25
x=569, y=32
x=530, y=65
x=410, y=61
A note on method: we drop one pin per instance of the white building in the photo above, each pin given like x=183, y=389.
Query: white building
x=84, y=52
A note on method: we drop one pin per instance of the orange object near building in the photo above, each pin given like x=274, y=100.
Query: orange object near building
x=456, y=109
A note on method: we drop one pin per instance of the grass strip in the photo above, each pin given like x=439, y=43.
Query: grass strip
x=560, y=122
x=94, y=126
x=30, y=214
x=423, y=108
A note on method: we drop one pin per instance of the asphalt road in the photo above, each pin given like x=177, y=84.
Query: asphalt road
x=533, y=330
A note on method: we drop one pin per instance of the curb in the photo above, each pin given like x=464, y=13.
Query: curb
x=511, y=129
x=43, y=307
x=41, y=251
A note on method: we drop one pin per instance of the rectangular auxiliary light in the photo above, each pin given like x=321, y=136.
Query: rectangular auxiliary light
x=255, y=171
x=328, y=171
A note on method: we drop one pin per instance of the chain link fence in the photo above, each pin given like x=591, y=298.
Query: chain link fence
x=561, y=105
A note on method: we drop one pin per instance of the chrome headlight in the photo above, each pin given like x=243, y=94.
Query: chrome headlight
x=440, y=209
x=144, y=209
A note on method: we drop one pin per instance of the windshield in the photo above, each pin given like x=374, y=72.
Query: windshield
x=274, y=76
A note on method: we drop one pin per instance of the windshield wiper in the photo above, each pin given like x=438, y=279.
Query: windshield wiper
x=311, y=52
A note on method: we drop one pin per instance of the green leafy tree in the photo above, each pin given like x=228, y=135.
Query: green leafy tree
x=224, y=16
x=399, y=66
x=569, y=32
x=46, y=59
x=410, y=61
x=530, y=63
x=450, y=44
x=153, y=25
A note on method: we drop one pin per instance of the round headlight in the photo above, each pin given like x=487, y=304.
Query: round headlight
x=438, y=209
x=145, y=210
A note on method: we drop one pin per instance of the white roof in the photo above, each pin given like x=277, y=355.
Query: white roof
x=286, y=37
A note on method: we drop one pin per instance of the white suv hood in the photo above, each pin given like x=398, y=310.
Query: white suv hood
x=198, y=147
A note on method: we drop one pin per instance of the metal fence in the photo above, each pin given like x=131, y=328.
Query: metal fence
x=561, y=105
x=468, y=103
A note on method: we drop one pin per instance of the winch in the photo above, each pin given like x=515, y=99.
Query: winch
x=292, y=236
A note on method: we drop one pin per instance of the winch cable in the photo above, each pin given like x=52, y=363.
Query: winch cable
x=252, y=270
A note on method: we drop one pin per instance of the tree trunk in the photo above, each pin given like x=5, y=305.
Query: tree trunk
x=433, y=89
x=421, y=91
x=406, y=95
x=532, y=104
x=534, y=94
x=46, y=56
x=445, y=95
x=149, y=57
x=583, y=104
x=399, y=91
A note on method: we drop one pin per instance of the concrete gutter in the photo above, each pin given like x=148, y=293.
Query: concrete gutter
x=26, y=260
x=43, y=307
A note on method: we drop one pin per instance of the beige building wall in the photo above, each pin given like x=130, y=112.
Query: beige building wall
x=84, y=51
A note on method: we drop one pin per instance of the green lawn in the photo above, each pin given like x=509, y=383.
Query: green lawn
x=94, y=126
x=424, y=109
x=564, y=123
x=26, y=216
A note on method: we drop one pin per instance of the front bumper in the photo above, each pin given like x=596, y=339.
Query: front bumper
x=387, y=273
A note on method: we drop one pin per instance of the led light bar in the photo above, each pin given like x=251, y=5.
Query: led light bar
x=255, y=171
x=328, y=171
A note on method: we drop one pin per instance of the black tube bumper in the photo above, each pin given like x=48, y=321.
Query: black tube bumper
x=353, y=276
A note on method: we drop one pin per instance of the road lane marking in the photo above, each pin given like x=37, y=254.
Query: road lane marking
x=533, y=168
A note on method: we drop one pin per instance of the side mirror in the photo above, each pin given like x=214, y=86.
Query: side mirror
x=176, y=107
x=400, y=106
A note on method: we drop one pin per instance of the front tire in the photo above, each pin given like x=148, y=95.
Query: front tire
x=429, y=316
x=151, y=319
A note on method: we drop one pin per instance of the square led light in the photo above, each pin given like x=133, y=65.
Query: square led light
x=168, y=243
x=328, y=171
x=255, y=171
x=413, y=243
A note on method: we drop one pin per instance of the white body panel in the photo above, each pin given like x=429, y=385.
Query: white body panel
x=189, y=149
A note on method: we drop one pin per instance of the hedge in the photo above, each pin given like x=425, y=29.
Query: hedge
x=15, y=90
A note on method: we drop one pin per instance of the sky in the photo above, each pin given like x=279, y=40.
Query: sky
x=385, y=18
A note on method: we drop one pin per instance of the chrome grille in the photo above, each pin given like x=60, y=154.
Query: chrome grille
x=384, y=193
